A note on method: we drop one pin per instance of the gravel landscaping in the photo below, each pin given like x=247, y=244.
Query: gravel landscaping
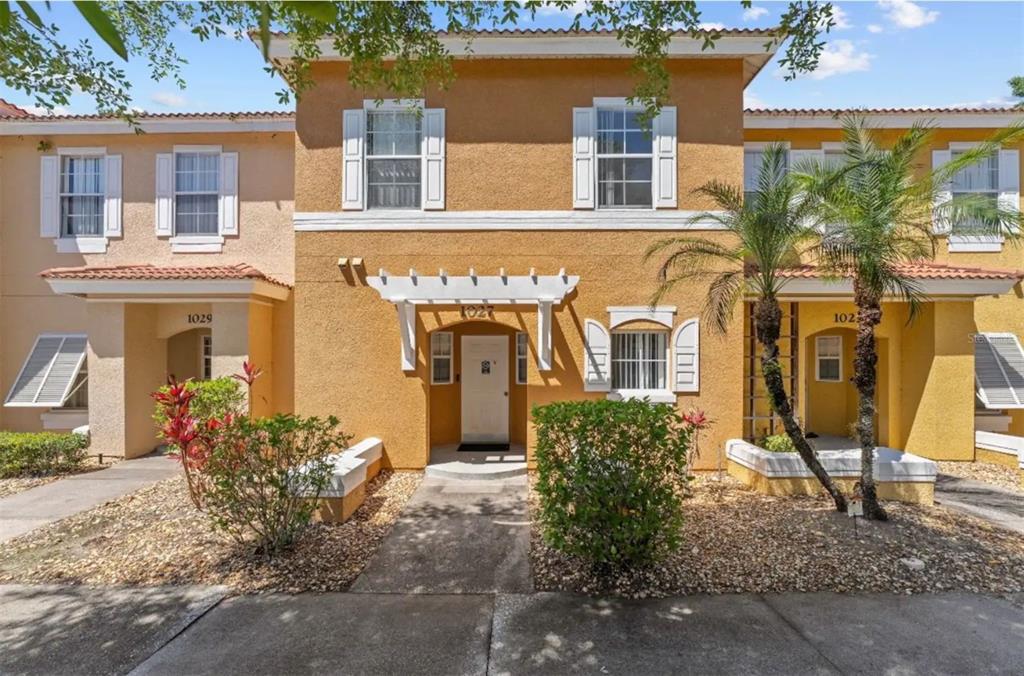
x=19, y=484
x=156, y=537
x=988, y=472
x=736, y=540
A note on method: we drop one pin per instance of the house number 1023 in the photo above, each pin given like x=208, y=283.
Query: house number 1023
x=199, y=317
x=846, y=317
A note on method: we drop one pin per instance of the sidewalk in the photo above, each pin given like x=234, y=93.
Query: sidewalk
x=28, y=510
x=999, y=506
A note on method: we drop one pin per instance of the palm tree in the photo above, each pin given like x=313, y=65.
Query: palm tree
x=769, y=229
x=882, y=212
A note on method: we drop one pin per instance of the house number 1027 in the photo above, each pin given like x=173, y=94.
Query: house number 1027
x=199, y=318
x=846, y=317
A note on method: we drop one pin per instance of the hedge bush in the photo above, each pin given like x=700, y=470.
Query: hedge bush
x=778, y=443
x=40, y=453
x=611, y=477
x=214, y=399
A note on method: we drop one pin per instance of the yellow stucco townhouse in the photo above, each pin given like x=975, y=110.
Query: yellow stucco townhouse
x=430, y=277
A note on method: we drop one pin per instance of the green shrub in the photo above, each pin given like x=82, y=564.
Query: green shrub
x=256, y=491
x=611, y=476
x=39, y=453
x=778, y=443
x=214, y=399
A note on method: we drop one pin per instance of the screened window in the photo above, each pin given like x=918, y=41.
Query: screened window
x=393, y=162
x=639, y=360
x=752, y=160
x=522, y=350
x=829, y=355
x=79, y=395
x=981, y=179
x=196, y=193
x=441, y=358
x=81, y=196
x=206, y=346
x=625, y=160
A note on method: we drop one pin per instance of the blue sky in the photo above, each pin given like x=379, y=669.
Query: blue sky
x=886, y=53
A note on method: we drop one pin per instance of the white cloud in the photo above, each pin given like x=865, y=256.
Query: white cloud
x=906, y=14
x=995, y=102
x=39, y=110
x=169, y=100
x=752, y=100
x=839, y=58
x=754, y=13
x=572, y=10
x=711, y=26
x=840, y=18
x=874, y=28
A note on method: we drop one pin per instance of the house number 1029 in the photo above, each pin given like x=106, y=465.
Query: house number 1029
x=846, y=317
x=199, y=317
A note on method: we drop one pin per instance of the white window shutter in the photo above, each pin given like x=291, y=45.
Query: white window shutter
x=353, y=141
x=665, y=163
x=686, y=350
x=1009, y=180
x=945, y=193
x=597, y=357
x=433, y=158
x=112, y=198
x=228, y=203
x=584, y=158
x=49, y=196
x=164, y=194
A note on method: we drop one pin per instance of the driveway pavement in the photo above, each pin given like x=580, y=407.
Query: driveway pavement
x=1000, y=506
x=28, y=510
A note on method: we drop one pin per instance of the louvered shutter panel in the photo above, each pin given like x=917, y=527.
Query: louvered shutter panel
x=999, y=370
x=1009, y=180
x=597, y=357
x=665, y=162
x=112, y=198
x=228, y=203
x=353, y=141
x=584, y=158
x=433, y=158
x=686, y=356
x=164, y=194
x=49, y=371
x=944, y=194
x=63, y=370
x=49, y=196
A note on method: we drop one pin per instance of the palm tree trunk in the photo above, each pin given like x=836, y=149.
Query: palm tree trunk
x=767, y=322
x=865, y=377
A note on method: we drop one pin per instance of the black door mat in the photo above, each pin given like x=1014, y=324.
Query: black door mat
x=483, y=448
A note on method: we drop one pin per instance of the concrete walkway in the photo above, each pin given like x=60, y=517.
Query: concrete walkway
x=1000, y=506
x=456, y=536
x=28, y=510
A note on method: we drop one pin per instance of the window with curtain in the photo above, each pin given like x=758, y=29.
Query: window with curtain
x=522, y=350
x=196, y=193
x=441, y=358
x=393, y=159
x=752, y=160
x=981, y=179
x=625, y=160
x=640, y=360
x=81, y=196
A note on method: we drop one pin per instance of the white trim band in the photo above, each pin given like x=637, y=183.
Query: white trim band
x=404, y=221
x=153, y=126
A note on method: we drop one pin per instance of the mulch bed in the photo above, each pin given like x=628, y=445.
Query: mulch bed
x=987, y=472
x=156, y=537
x=736, y=540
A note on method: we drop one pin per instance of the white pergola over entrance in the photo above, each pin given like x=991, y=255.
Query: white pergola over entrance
x=406, y=292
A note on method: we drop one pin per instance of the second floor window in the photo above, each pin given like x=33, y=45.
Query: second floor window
x=625, y=160
x=393, y=159
x=982, y=180
x=81, y=196
x=196, y=193
x=639, y=360
x=752, y=161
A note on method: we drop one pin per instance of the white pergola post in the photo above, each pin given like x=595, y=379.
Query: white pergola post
x=407, y=327
x=544, y=335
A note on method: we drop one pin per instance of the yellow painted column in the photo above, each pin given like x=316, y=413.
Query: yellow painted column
x=243, y=331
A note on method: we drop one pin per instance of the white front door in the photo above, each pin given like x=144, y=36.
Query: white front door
x=485, y=389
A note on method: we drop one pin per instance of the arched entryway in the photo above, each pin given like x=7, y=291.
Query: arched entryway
x=190, y=354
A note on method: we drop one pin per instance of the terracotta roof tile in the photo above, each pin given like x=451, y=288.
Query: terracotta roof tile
x=921, y=270
x=9, y=110
x=155, y=272
x=831, y=112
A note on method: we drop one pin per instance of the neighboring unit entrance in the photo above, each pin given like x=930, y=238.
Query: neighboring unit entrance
x=485, y=389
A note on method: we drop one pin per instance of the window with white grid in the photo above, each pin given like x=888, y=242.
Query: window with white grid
x=393, y=159
x=206, y=345
x=829, y=357
x=522, y=350
x=196, y=193
x=441, y=358
x=640, y=360
x=981, y=179
x=625, y=160
x=753, y=158
x=81, y=195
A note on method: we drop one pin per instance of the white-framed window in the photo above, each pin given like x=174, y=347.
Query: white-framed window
x=625, y=160
x=639, y=360
x=82, y=194
x=394, y=160
x=828, y=357
x=78, y=397
x=522, y=354
x=196, y=193
x=981, y=179
x=753, y=158
x=441, y=358
x=206, y=356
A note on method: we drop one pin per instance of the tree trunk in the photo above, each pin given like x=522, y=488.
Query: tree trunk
x=865, y=377
x=767, y=322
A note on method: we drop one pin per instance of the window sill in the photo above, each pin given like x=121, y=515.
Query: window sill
x=85, y=245
x=975, y=243
x=64, y=419
x=654, y=396
x=197, y=244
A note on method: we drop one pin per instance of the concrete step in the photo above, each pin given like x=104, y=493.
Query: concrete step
x=448, y=463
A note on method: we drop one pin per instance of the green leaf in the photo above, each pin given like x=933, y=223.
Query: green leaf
x=29, y=12
x=104, y=27
x=320, y=11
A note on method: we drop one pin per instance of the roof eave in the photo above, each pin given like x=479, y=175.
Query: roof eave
x=933, y=289
x=146, y=290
